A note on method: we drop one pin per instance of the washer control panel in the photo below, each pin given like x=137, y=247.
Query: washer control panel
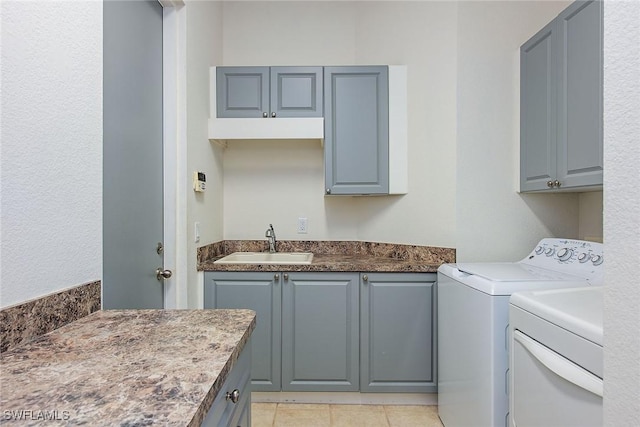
x=578, y=257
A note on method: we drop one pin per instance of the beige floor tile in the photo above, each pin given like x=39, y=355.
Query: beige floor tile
x=302, y=415
x=263, y=414
x=412, y=416
x=358, y=416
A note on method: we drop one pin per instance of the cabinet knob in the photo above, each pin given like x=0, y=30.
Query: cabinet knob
x=285, y=276
x=276, y=277
x=264, y=114
x=550, y=184
x=234, y=396
x=365, y=278
x=556, y=184
x=328, y=191
x=273, y=114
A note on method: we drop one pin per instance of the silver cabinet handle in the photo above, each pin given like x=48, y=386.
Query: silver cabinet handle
x=286, y=276
x=365, y=278
x=276, y=277
x=234, y=396
x=163, y=274
x=273, y=114
x=328, y=191
x=264, y=114
x=550, y=184
x=557, y=183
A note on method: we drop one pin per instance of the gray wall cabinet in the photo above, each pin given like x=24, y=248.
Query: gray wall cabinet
x=320, y=332
x=269, y=92
x=356, y=148
x=397, y=321
x=260, y=292
x=561, y=102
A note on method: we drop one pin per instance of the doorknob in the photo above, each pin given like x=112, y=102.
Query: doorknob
x=163, y=274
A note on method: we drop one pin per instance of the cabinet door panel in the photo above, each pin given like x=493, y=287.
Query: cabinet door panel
x=397, y=324
x=580, y=157
x=296, y=91
x=242, y=91
x=320, y=332
x=538, y=110
x=356, y=130
x=261, y=293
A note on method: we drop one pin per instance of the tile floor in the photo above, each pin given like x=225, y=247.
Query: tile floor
x=314, y=415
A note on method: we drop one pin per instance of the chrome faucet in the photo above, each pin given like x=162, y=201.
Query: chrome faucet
x=270, y=234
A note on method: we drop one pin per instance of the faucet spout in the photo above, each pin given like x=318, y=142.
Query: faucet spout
x=270, y=234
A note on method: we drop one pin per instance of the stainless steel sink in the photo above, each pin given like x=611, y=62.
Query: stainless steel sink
x=267, y=258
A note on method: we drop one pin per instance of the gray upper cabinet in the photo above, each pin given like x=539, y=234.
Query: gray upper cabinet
x=397, y=320
x=356, y=103
x=296, y=91
x=260, y=292
x=269, y=92
x=561, y=102
x=320, y=332
x=243, y=91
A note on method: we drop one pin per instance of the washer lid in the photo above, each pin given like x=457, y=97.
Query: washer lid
x=578, y=310
x=513, y=272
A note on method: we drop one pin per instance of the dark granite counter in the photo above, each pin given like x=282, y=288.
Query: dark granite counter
x=333, y=256
x=124, y=367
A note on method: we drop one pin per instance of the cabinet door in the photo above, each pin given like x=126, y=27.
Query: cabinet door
x=356, y=145
x=242, y=91
x=296, y=92
x=580, y=158
x=260, y=292
x=538, y=110
x=397, y=317
x=320, y=332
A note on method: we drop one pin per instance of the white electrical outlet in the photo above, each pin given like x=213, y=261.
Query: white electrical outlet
x=196, y=231
x=302, y=225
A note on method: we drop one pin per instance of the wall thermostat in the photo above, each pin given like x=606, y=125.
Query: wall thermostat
x=199, y=180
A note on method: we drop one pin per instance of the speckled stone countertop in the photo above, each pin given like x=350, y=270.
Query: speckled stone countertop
x=124, y=367
x=332, y=256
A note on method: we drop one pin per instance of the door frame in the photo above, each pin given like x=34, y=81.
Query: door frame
x=174, y=157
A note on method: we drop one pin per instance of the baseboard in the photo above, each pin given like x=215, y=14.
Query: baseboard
x=345, y=398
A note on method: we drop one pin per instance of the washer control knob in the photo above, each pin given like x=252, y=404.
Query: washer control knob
x=564, y=254
x=583, y=257
x=549, y=251
x=597, y=259
x=539, y=250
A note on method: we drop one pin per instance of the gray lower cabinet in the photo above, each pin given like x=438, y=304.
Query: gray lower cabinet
x=561, y=144
x=320, y=332
x=397, y=322
x=334, y=331
x=260, y=292
x=232, y=406
x=356, y=144
x=269, y=92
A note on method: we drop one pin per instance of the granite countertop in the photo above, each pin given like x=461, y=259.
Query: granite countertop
x=333, y=256
x=322, y=262
x=124, y=367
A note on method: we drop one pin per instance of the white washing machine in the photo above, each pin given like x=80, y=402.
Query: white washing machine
x=556, y=358
x=473, y=324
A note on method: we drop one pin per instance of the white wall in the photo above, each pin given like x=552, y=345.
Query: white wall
x=204, y=49
x=278, y=181
x=622, y=213
x=590, y=226
x=51, y=151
